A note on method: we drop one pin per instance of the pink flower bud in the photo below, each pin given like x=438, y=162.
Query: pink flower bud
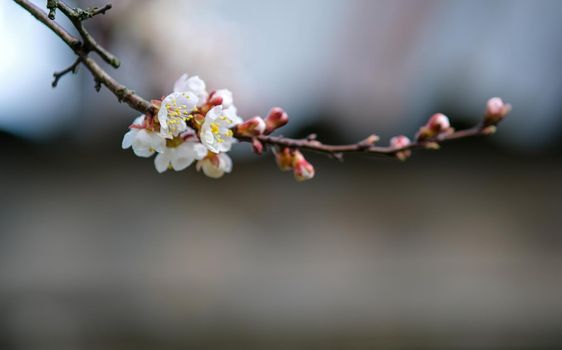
x=496, y=110
x=215, y=100
x=257, y=146
x=302, y=169
x=400, y=141
x=251, y=127
x=439, y=123
x=284, y=159
x=275, y=119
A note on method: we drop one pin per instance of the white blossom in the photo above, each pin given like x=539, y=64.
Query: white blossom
x=144, y=142
x=192, y=84
x=179, y=158
x=215, y=165
x=227, y=98
x=216, y=133
x=175, y=110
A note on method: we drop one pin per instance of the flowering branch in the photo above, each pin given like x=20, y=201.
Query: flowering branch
x=191, y=124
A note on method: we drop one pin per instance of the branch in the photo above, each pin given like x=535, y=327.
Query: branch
x=430, y=136
x=42, y=17
x=337, y=151
x=76, y=16
x=94, y=11
x=82, y=48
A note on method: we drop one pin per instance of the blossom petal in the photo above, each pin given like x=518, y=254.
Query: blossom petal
x=232, y=114
x=128, y=139
x=139, y=120
x=209, y=141
x=199, y=150
x=157, y=142
x=161, y=162
x=196, y=85
x=227, y=98
x=225, y=162
x=183, y=157
x=211, y=170
x=143, y=152
x=181, y=84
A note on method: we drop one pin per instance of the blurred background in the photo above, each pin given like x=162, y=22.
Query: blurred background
x=456, y=249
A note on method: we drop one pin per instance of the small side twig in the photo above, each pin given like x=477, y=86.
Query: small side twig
x=91, y=12
x=52, y=7
x=76, y=16
x=70, y=69
x=82, y=50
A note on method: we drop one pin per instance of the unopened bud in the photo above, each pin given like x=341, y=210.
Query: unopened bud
x=275, y=119
x=302, y=169
x=251, y=127
x=257, y=146
x=496, y=110
x=400, y=142
x=215, y=100
x=369, y=141
x=284, y=159
x=226, y=96
x=438, y=124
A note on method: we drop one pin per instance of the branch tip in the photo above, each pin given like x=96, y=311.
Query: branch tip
x=70, y=69
x=52, y=7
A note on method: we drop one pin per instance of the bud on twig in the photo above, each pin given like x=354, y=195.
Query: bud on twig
x=251, y=127
x=302, y=169
x=275, y=119
x=215, y=100
x=284, y=158
x=369, y=141
x=496, y=110
x=400, y=142
x=437, y=125
x=257, y=146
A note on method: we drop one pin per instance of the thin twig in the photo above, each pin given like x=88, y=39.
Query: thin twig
x=337, y=151
x=100, y=75
x=94, y=11
x=42, y=17
x=58, y=75
x=76, y=17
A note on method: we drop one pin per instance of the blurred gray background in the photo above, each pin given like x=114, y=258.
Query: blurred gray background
x=456, y=249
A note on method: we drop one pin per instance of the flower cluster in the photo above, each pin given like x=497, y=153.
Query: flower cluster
x=192, y=125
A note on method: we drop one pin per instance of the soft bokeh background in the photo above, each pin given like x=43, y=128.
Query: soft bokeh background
x=460, y=248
